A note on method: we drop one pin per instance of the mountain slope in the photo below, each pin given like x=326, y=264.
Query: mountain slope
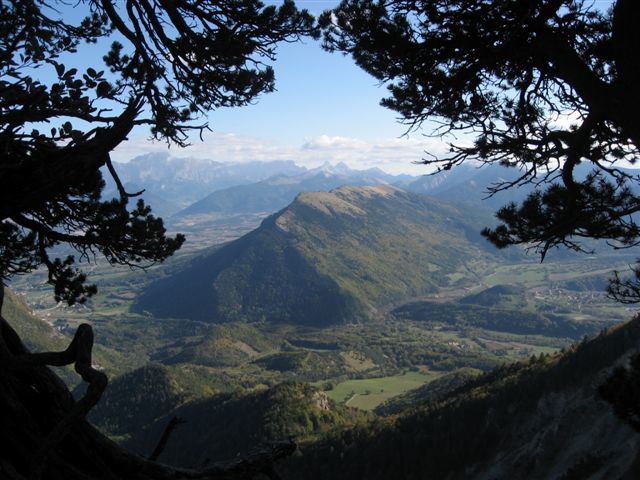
x=537, y=420
x=172, y=183
x=225, y=425
x=329, y=257
x=511, y=320
x=270, y=195
x=136, y=399
x=36, y=334
x=260, y=276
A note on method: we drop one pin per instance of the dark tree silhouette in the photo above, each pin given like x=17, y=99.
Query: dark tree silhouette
x=539, y=85
x=165, y=64
x=622, y=391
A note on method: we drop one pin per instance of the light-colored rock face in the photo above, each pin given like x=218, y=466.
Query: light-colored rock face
x=566, y=429
x=322, y=400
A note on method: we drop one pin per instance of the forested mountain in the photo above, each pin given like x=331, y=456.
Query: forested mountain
x=329, y=257
x=224, y=426
x=503, y=319
x=540, y=419
x=136, y=399
x=138, y=406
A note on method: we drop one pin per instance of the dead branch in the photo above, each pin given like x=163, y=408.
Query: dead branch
x=162, y=443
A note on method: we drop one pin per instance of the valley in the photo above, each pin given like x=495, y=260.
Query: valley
x=413, y=255
x=365, y=300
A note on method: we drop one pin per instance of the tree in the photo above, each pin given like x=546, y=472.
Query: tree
x=622, y=391
x=539, y=85
x=166, y=63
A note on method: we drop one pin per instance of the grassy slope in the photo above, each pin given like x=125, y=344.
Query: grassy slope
x=36, y=334
x=368, y=393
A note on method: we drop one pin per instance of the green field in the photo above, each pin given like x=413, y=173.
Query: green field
x=368, y=393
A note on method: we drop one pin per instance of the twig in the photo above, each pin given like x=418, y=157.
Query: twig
x=171, y=426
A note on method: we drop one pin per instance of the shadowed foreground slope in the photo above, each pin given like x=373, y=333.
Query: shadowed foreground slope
x=537, y=420
x=42, y=435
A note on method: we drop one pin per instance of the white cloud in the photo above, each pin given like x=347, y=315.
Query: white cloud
x=566, y=120
x=393, y=155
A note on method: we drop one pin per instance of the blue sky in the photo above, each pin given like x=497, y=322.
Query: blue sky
x=325, y=109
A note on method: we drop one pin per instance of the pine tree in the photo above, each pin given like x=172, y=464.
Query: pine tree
x=548, y=87
x=166, y=64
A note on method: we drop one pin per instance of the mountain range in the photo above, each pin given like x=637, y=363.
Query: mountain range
x=277, y=192
x=172, y=183
x=188, y=186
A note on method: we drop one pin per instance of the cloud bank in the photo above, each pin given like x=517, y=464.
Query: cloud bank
x=393, y=155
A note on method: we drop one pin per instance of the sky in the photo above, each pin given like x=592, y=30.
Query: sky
x=325, y=109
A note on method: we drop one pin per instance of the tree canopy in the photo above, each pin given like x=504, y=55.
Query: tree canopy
x=539, y=85
x=164, y=64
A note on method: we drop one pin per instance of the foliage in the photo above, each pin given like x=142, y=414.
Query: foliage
x=622, y=391
x=225, y=425
x=541, y=86
x=167, y=65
